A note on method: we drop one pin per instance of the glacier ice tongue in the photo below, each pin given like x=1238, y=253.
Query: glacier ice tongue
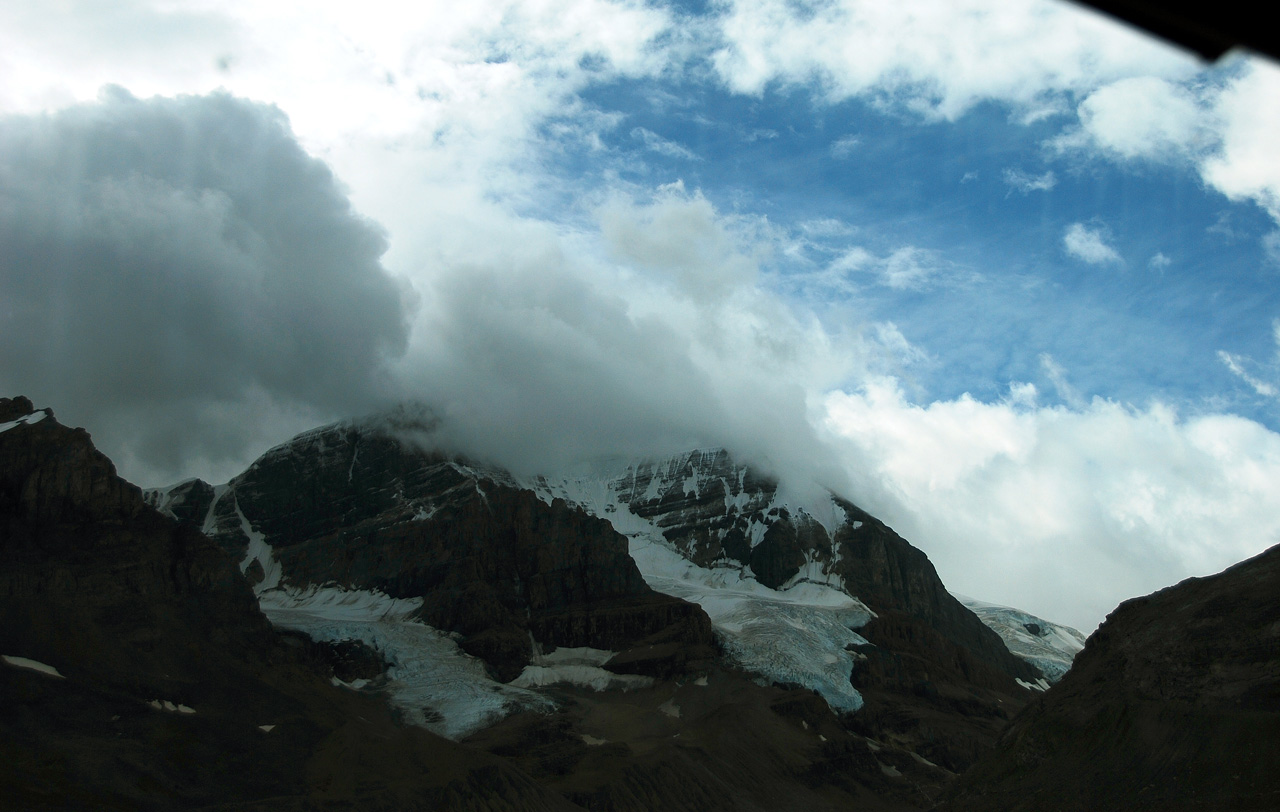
x=430, y=680
x=796, y=634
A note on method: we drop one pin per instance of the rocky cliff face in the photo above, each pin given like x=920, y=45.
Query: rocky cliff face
x=138, y=672
x=362, y=506
x=719, y=513
x=1174, y=704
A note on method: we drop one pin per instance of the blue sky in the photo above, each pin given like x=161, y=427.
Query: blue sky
x=1005, y=273
x=997, y=287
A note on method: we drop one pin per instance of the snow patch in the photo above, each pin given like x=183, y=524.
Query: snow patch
x=261, y=552
x=31, y=665
x=576, y=666
x=25, y=420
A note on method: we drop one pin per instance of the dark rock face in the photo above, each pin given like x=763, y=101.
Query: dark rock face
x=365, y=508
x=188, y=502
x=1174, y=704
x=722, y=743
x=890, y=575
x=927, y=691
x=169, y=670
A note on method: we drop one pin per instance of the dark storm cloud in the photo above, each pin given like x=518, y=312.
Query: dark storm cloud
x=180, y=272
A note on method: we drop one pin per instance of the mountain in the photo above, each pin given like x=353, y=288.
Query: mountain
x=1050, y=647
x=139, y=673
x=657, y=563
x=681, y=633
x=1173, y=705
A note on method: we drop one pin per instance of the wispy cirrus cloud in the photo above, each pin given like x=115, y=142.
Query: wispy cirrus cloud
x=908, y=267
x=842, y=148
x=1256, y=373
x=663, y=146
x=1019, y=181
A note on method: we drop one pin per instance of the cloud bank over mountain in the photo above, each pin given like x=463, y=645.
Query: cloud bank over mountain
x=1012, y=297
x=177, y=270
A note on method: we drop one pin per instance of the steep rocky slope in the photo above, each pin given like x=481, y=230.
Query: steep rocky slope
x=138, y=672
x=924, y=669
x=1174, y=704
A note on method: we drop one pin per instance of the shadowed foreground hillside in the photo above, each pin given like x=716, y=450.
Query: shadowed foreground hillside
x=1174, y=705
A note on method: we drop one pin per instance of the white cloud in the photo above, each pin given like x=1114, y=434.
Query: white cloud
x=1026, y=183
x=1063, y=512
x=1089, y=244
x=1159, y=261
x=1240, y=366
x=1236, y=364
x=1249, y=111
x=1058, y=377
x=648, y=332
x=1144, y=117
x=937, y=58
x=1271, y=247
x=1224, y=124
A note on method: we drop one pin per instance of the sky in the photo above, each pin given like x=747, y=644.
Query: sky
x=1002, y=272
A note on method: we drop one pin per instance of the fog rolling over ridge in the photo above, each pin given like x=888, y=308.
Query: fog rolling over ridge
x=638, y=230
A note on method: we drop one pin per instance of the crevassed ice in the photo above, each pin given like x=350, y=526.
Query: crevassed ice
x=797, y=634
x=430, y=680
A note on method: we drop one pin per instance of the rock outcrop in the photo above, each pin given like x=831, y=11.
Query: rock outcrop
x=361, y=505
x=1173, y=705
x=138, y=672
